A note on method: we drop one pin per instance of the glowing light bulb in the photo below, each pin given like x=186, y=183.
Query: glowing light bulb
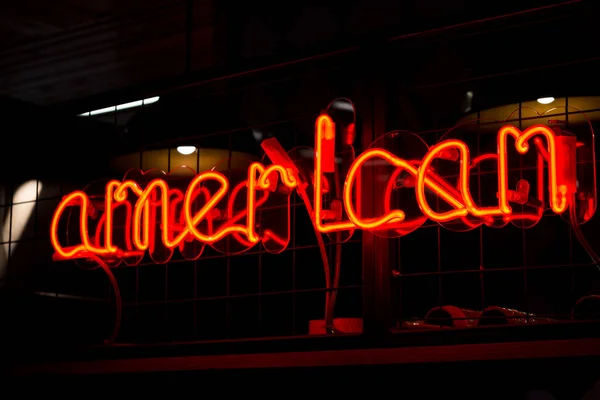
x=545, y=100
x=186, y=150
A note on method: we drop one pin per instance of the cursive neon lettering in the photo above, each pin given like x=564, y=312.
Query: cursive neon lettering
x=180, y=222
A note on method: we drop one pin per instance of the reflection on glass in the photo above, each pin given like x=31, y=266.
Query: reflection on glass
x=3, y=260
x=178, y=159
x=28, y=191
x=21, y=228
x=162, y=159
x=154, y=159
x=17, y=219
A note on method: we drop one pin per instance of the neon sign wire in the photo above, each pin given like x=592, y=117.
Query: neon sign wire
x=157, y=217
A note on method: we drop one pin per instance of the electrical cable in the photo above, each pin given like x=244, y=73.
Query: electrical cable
x=118, y=300
x=579, y=234
x=322, y=250
x=329, y=326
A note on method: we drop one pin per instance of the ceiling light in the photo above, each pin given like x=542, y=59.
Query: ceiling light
x=132, y=104
x=151, y=100
x=119, y=107
x=545, y=100
x=186, y=150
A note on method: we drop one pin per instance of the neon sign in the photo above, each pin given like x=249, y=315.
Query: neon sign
x=156, y=217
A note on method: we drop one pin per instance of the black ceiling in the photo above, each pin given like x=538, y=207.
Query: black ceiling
x=62, y=51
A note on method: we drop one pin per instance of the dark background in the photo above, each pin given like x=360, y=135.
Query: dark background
x=224, y=70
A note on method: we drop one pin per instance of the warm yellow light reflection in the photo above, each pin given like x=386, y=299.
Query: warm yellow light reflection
x=545, y=100
x=185, y=150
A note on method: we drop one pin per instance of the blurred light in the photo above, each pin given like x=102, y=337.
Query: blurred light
x=186, y=150
x=468, y=101
x=257, y=135
x=28, y=191
x=119, y=107
x=342, y=105
x=545, y=100
x=16, y=221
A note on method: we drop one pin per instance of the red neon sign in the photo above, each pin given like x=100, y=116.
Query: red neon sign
x=155, y=215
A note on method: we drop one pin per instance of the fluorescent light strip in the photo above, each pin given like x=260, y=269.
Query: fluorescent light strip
x=130, y=105
x=124, y=106
x=151, y=100
x=103, y=111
